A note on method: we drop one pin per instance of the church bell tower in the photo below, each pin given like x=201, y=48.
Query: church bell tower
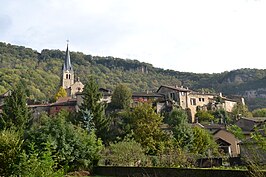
x=68, y=72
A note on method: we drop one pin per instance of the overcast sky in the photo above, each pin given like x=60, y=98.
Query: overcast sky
x=200, y=36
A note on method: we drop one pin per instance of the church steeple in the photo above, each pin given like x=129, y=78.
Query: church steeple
x=68, y=72
x=67, y=64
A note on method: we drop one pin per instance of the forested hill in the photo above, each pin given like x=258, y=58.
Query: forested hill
x=41, y=73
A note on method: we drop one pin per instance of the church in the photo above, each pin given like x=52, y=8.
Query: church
x=68, y=81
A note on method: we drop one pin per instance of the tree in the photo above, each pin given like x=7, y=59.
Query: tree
x=253, y=152
x=60, y=94
x=92, y=103
x=121, y=97
x=237, y=131
x=240, y=110
x=10, y=147
x=222, y=116
x=15, y=110
x=146, y=127
x=204, y=116
x=182, y=131
x=125, y=153
x=71, y=145
x=259, y=112
x=39, y=164
x=203, y=142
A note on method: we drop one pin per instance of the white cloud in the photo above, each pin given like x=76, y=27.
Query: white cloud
x=191, y=35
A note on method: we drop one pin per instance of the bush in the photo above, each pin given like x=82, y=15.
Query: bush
x=124, y=153
x=38, y=164
x=71, y=145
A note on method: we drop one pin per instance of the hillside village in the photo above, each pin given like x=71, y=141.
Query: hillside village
x=164, y=100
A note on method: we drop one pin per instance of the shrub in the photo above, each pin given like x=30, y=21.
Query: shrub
x=38, y=164
x=70, y=144
x=125, y=153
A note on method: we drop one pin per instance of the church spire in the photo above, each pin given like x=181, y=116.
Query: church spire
x=67, y=63
x=68, y=72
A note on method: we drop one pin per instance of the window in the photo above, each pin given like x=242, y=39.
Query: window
x=173, y=96
x=193, y=101
x=201, y=99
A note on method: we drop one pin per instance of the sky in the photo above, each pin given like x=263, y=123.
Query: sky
x=199, y=36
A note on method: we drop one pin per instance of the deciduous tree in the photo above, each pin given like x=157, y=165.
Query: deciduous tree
x=146, y=127
x=70, y=144
x=121, y=97
x=203, y=142
x=60, y=94
x=182, y=131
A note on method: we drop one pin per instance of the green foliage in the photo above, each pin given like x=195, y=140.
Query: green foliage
x=72, y=145
x=259, y=137
x=15, y=110
x=174, y=156
x=38, y=164
x=86, y=121
x=60, y=94
x=240, y=110
x=203, y=143
x=221, y=116
x=204, y=116
x=237, y=131
x=182, y=131
x=259, y=112
x=121, y=97
x=10, y=147
x=146, y=127
x=91, y=102
x=42, y=71
x=125, y=153
x=254, y=152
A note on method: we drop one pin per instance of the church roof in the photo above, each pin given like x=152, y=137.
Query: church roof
x=67, y=63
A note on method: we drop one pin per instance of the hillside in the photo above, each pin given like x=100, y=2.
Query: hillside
x=41, y=73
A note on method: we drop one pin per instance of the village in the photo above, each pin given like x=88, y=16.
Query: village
x=164, y=100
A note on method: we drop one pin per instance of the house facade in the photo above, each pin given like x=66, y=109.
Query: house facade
x=227, y=142
x=192, y=101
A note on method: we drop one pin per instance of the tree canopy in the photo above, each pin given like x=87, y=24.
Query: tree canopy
x=15, y=110
x=121, y=97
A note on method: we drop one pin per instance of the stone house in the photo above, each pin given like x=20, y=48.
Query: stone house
x=193, y=101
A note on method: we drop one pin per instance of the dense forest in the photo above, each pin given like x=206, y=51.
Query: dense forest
x=41, y=73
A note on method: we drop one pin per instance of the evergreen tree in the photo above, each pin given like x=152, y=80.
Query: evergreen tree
x=92, y=103
x=15, y=110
